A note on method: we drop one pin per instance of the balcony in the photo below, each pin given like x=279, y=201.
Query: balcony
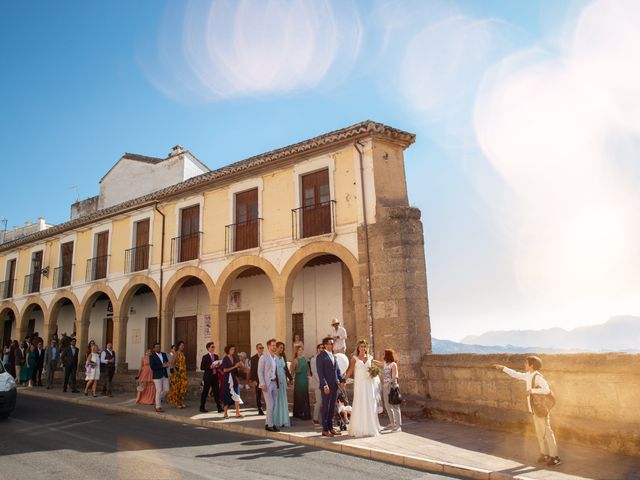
x=32, y=283
x=62, y=276
x=137, y=259
x=97, y=268
x=243, y=235
x=313, y=220
x=6, y=288
x=185, y=247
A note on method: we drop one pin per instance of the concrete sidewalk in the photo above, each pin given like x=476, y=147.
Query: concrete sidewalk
x=429, y=445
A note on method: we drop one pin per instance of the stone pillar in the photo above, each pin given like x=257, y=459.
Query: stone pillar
x=120, y=342
x=166, y=329
x=283, y=306
x=82, y=339
x=399, y=290
x=218, y=326
x=348, y=308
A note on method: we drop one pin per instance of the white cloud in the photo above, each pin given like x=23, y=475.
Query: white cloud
x=228, y=49
x=560, y=129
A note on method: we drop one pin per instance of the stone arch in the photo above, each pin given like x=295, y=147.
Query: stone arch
x=30, y=303
x=82, y=319
x=355, y=319
x=223, y=287
x=172, y=288
x=309, y=252
x=120, y=325
x=8, y=307
x=54, y=309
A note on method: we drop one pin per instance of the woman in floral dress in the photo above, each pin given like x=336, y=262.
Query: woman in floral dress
x=179, y=381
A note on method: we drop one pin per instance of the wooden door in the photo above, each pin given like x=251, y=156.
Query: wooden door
x=316, y=204
x=11, y=279
x=152, y=331
x=102, y=252
x=189, y=229
x=108, y=332
x=141, y=256
x=239, y=331
x=246, y=233
x=36, y=271
x=187, y=331
x=66, y=254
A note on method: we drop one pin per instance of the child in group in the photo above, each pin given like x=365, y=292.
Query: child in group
x=343, y=409
x=537, y=385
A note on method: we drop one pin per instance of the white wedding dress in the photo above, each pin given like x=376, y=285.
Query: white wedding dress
x=364, y=416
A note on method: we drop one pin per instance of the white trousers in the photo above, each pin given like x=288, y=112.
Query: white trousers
x=270, y=397
x=546, y=438
x=162, y=388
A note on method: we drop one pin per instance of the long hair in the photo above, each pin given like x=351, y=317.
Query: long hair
x=366, y=347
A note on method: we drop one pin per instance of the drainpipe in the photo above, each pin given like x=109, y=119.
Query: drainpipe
x=357, y=144
x=155, y=207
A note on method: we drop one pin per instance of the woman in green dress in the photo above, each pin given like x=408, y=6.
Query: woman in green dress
x=300, y=368
x=29, y=365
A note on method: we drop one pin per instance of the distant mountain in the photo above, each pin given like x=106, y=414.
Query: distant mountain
x=449, y=347
x=619, y=334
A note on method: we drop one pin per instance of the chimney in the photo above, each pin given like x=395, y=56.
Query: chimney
x=41, y=223
x=177, y=150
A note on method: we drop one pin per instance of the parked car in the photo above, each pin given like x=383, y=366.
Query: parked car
x=8, y=393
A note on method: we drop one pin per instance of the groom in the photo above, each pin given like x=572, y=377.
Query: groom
x=329, y=377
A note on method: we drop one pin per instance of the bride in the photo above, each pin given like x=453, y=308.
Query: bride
x=364, y=416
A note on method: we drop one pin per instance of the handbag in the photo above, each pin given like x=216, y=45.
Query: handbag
x=139, y=386
x=395, y=398
x=541, y=404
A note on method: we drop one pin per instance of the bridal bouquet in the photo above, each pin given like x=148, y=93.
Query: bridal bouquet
x=374, y=371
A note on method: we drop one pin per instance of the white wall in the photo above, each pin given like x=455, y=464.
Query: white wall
x=66, y=320
x=141, y=307
x=317, y=294
x=194, y=301
x=97, y=325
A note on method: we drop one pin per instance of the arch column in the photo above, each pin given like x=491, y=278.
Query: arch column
x=218, y=325
x=283, y=306
x=166, y=329
x=120, y=342
x=82, y=336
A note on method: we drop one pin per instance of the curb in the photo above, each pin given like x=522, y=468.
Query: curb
x=418, y=463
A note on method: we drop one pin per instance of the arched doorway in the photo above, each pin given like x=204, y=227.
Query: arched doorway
x=187, y=313
x=246, y=305
x=8, y=315
x=321, y=283
x=62, y=315
x=96, y=322
x=139, y=327
x=32, y=318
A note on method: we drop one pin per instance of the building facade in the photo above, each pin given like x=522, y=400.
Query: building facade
x=272, y=246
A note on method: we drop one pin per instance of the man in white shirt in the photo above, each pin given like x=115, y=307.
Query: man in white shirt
x=339, y=335
x=107, y=368
x=269, y=382
x=537, y=385
x=314, y=385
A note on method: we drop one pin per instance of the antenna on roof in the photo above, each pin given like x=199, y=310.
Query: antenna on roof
x=75, y=187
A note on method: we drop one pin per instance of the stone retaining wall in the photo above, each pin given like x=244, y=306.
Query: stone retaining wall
x=598, y=395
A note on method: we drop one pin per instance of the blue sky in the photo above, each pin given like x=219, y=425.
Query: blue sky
x=510, y=244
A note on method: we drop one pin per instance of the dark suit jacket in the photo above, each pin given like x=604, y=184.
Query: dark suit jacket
x=328, y=371
x=40, y=358
x=69, y=360
x=205, y=366
x=156, y=365
x=253, y=373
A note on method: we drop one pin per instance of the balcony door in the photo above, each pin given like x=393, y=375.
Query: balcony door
x=141, y=260
x=246, y=233
x=11, y=278
x=189, y=233
x=36, y=271
x=316, y=204
x=102, y=251
x=66, y=255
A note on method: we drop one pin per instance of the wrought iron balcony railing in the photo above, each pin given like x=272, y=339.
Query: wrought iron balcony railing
x=6, y=288
x=137, y=259
x=313, y=220
x=32, y=283
x=97, y=268
x=242, y=235
x=62, y=276
x=185, y=247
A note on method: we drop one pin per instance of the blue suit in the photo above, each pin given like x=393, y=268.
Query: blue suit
x=328, y=375
x=156, y=365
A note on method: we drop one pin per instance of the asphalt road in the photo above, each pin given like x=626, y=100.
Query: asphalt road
x=51, y=439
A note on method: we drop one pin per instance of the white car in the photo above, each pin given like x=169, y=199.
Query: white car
x=8, y=393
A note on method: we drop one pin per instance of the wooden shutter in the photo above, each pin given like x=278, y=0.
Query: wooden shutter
x=316, y=204
x=246, y=231
x=141, y=260
x=190, y=228
x=66, y=255
x=102, y=250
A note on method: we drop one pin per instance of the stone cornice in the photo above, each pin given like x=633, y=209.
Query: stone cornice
x=360, y=130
